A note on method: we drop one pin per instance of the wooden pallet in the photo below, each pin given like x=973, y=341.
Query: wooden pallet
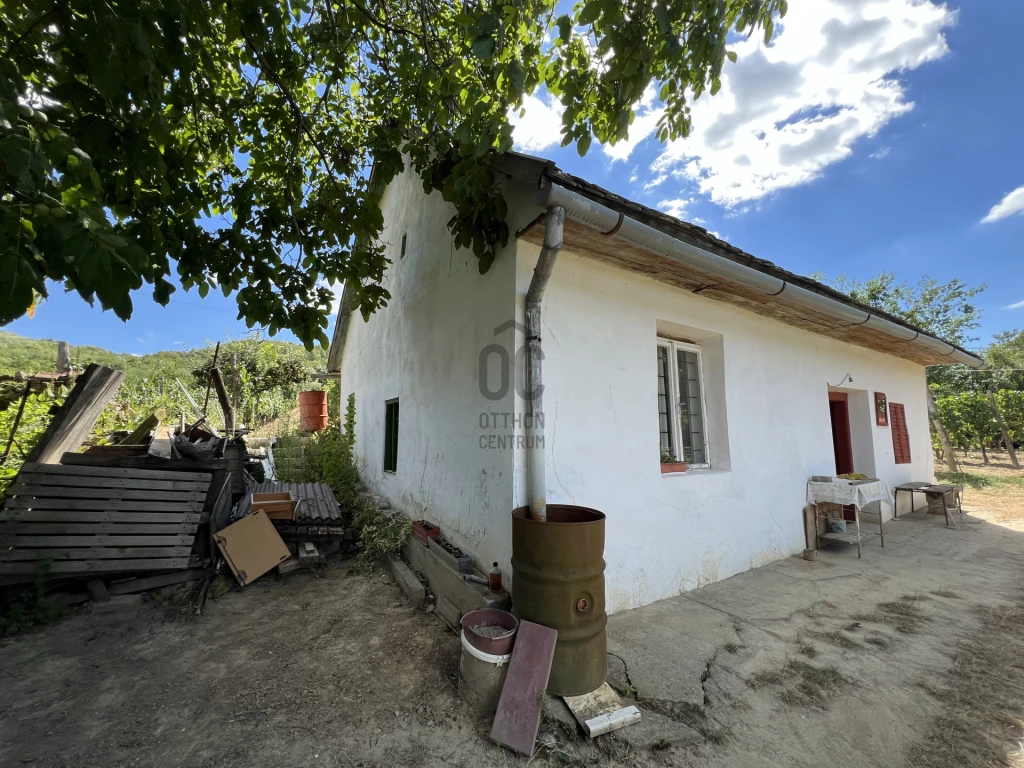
x=88, y=520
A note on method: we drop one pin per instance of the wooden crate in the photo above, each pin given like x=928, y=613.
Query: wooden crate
x=277, y=505
x=90, y=520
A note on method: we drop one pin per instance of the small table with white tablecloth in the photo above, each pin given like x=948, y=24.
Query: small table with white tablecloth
x=855, y=493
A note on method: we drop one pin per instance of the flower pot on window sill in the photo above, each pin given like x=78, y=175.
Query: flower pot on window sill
x=673, y=466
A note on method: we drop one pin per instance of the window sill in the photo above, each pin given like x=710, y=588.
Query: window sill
x=697, y=471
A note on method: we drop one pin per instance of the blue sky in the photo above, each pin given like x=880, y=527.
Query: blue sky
x=871, y=135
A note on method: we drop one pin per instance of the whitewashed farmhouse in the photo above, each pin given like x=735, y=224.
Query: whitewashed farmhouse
x=661, y=343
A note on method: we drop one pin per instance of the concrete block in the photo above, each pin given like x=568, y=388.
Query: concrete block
x=117, y=603
x=97, y=590
x=289, y=565
x=309, y=555
x=328, y=548
x=451, y=615
x=464, y=595
x=407, y=580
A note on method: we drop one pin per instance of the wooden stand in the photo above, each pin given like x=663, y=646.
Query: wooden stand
x=856, y=536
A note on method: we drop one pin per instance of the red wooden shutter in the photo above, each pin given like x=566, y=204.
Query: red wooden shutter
x=900, y=436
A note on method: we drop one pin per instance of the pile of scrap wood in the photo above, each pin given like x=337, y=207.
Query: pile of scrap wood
x=287, y=526
x=113, y=514
x=165, y=505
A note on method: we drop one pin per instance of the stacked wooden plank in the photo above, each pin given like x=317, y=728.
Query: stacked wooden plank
x=89, y=519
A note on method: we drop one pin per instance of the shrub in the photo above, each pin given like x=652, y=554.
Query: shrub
x=329, y=457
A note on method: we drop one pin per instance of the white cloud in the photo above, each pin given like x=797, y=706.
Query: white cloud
x=656, y=181
x=788, y=111
x=880, y=154
x=540, y=127
x=675, y=208
x=1011, y=205
x=1018, y=305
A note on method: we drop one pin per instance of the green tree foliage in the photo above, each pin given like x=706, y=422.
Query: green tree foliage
x=35, y=417
x=968, y=418
x=233, y=141
x=1005, y=357
x=271, y=374
x=945, y=310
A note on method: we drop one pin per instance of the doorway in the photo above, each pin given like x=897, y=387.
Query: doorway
x=842, y=439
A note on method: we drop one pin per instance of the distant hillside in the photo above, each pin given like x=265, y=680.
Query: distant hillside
x=18, y=353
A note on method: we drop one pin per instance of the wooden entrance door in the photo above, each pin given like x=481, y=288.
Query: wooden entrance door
x=842, y=440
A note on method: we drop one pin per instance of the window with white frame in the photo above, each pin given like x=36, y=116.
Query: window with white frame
x=681, y=412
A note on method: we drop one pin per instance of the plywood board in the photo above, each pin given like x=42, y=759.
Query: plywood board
x=251, y=547
x=601, y=711
x=519, y=709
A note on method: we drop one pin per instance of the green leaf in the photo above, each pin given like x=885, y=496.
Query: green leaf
x=483, y=47
x=18, y=280
x=564, y=28
x=246, y=130
x=663, y=19
x=590, y=13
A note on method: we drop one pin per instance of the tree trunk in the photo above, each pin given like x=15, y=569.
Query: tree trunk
x=947, y=445
x=981, y=444
x=1002, y=427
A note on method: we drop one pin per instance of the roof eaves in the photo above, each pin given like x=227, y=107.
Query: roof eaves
x=702, y=238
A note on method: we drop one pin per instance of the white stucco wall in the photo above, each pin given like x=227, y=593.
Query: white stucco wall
x=424, y=349
x=458, y=464
x=671, y=533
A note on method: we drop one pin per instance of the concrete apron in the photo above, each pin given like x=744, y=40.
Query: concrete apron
x=664, y=654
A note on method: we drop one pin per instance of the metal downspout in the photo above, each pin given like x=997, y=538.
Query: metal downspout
x=536, y=482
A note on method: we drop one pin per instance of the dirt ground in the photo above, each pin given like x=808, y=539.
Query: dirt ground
x=912, y=656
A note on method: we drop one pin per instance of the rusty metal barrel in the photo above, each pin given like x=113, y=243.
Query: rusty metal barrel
x=312, y=411
x=558, y=581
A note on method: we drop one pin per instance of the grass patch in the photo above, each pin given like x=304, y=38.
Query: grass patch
x=806, y=649
x=732, y=647
x=814, y=686
x=881, y=641
x=766, y=678
x=946, y=593
x=689, y=715
x=978, y=481
x=983, y=709
x=903, y=615
x=803, y=684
